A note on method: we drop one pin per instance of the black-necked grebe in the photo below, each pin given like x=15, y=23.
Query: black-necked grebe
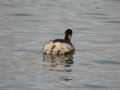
x=60, y=46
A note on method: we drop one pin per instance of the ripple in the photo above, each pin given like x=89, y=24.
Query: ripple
x=64, y=79
x=34, y=20
x=117, y=22
x=108, y=62
x=94, y=86
x=6, y=5
x=27, y=51
x=17, y=85
x=85, y=64
x=116, y=0
x=79, y=28
x=98, y=14
x=21, y=14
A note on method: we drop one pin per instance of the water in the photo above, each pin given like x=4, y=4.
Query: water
x=26, y=25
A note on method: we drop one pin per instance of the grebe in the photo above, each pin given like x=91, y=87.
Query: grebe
x=60, y=46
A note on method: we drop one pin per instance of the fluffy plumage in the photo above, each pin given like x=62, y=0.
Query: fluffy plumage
x=60, y=46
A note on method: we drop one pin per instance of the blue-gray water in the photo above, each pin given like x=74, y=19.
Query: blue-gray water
x=26, y=25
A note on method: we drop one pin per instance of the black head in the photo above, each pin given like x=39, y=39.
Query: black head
x=68, y=35
x=68, y=31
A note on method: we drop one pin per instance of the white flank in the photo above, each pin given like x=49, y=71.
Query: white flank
x=54, y=48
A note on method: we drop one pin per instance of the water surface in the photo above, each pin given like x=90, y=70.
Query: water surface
x=26, y=25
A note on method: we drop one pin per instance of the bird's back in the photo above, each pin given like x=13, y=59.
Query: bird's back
x=58, y=46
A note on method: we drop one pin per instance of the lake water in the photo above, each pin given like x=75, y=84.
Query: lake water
x=26, y=25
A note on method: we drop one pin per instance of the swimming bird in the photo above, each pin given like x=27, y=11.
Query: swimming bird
x=60, y=46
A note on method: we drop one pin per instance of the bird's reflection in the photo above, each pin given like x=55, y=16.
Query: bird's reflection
x=64, y=79
x=58, y=60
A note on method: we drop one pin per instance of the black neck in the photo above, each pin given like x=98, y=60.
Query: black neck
x=67, y=38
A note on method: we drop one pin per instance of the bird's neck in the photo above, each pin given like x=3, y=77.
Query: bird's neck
x=67, y=38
